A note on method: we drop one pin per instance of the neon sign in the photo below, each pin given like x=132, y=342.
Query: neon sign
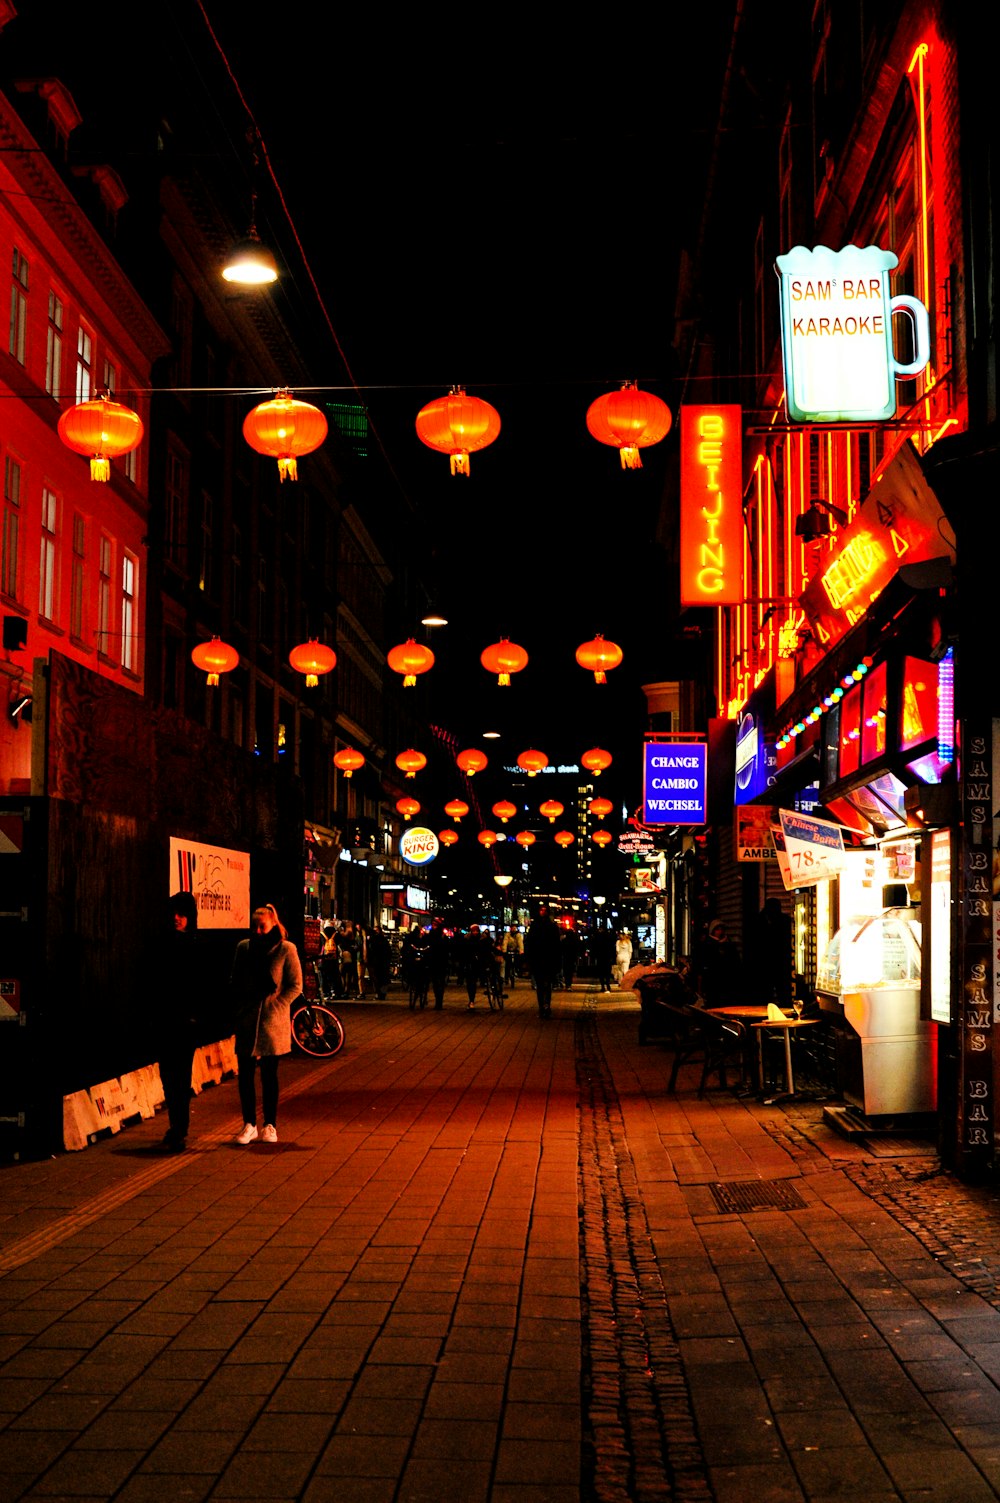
x=900, y=519
x=836, y=334
x=711, y=505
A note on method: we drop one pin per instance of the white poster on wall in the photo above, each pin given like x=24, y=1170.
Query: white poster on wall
x=219, y=880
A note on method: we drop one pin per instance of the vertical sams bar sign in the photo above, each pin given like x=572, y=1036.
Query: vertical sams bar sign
x=674, y=782
x=711, y=505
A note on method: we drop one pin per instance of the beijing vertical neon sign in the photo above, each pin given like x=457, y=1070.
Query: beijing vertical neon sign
x=711, y=509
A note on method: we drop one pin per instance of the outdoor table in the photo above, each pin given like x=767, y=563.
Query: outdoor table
x=786, y=1024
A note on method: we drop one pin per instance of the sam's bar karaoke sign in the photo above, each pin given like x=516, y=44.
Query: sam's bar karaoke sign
x=712, y=505
x=837, y=334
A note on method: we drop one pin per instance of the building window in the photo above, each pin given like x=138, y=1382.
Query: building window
x=78, y=602
x=47, y=561
x=130, y=572
x=205, y=580
x=84, y=364
x=175, y=519
x=104, y=596
x=18, y=307
x=11, y=527
x=53, y=347
x=261, y=622
x=109, y=377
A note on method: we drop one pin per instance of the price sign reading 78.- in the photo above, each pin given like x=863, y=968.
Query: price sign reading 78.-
x=814, y=849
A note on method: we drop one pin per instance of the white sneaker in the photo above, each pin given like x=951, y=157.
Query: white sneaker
x=270, y=1133
x=248, y=1135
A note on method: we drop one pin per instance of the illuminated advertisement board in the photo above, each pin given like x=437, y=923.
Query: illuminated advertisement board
x=940, y=926
x=900, y=522
x=837, y=334
x=674, y=782
x=418, y=845
x=711, y=441
x=756, y=757
x=813, y=849
x=217, y=878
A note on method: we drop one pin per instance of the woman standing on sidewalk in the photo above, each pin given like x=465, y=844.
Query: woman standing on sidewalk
x=267, y=977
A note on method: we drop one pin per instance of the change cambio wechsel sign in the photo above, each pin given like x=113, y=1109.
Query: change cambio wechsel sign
x=837, y=334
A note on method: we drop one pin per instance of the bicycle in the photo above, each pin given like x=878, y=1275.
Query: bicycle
x=317, y=1030
x=493, y=985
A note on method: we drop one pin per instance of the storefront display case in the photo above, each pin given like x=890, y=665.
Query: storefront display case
x=868, y=984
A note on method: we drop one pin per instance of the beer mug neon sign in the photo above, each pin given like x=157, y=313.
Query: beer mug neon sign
x=836, y=334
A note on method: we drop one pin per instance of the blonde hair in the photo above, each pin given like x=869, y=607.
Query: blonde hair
x=270, y=908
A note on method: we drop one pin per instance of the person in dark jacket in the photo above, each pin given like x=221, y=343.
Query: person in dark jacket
x=604, y=957
x=543, y=955
x=438, y=959
x=379, y=961
x=570, y=957
x=721, y=970
x=177, y=969
x=267, y=977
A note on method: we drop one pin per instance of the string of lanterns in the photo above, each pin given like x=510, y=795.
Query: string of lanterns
x=285, y=429
x=411, y=658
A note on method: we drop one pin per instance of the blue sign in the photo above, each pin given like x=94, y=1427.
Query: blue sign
x=674, y=782
x=756, y=757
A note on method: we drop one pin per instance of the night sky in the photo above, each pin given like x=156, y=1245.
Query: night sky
x=497, y=199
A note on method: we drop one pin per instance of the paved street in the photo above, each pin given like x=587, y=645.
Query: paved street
x=491, y=1258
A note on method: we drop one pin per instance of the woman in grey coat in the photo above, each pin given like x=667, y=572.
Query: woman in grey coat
x=267, y=977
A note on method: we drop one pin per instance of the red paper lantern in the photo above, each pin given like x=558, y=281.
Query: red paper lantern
x=600, y=808
x=532, y=762
x=525, y=838
x=102, y=430
x=487, y=838
x=602, y=838
x=472, y=762
x=503, y=658
x=409, y=659
x=563, y=838
x=348, y=760
x=629, y=420
x=504, y=810
x=457, y=425
x=596, y=760
x=551, y=809
x=407, y=807
x=213, y=658
x=284, y=429
x=456, y=810
x=448, y=837
x=411, y=762
x=312, y=658
x=599, y=657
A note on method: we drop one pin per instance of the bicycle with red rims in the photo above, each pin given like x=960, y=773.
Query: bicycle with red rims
x=317, y=1030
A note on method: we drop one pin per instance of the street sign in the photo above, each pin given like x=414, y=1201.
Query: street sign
x=813, y=849
x=675, y=782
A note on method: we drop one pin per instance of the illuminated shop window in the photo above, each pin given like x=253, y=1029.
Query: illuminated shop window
x=873, y=719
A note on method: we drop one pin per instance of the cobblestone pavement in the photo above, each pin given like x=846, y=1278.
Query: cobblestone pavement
x=491, y=1259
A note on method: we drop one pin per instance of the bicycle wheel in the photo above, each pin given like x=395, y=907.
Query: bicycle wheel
x=317, y=1031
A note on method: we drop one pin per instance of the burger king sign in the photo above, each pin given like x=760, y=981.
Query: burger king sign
x=418, y=846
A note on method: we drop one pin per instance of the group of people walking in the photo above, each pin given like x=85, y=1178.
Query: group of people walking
x=355, y=961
